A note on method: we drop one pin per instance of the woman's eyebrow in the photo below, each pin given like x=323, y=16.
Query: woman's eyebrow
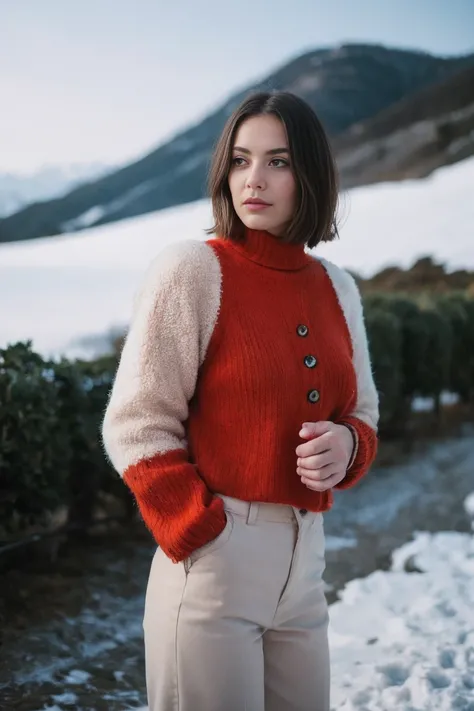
x=271, y=152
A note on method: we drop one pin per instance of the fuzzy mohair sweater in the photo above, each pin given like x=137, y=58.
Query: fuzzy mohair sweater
x=233, y=346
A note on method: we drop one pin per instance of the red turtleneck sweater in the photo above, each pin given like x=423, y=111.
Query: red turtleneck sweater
x=232, y=347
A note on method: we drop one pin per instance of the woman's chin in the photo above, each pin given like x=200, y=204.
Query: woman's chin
x=257, y=222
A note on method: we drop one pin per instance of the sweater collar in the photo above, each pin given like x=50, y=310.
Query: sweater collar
x=268, y=251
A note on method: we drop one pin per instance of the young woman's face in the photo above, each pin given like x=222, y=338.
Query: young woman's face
x=261, y=179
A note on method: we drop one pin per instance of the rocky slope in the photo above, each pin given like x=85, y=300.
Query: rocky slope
x=432, y=128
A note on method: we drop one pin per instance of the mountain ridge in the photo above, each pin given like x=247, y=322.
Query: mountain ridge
x=347, y=85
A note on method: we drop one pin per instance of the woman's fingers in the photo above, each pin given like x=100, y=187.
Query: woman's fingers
x=324, y=484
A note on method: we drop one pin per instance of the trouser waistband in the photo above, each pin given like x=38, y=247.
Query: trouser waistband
x=255, y=510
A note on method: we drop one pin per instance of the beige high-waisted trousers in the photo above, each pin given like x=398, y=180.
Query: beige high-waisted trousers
x=242, y=624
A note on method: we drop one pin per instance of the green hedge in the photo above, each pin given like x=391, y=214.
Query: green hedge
x=50, y=451
x=420, y=347
x=50, y=412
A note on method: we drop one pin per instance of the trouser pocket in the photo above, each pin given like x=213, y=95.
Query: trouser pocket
x=214, y=545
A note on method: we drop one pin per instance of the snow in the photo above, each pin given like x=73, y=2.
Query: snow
x=18, y=190
x=60, y=289
x=96, y=213
x=469, y=506
x=427, y=404
x=66, y=699
x=77, y=676
x=335, y=543
x=93, y=214
x=397, y=223
x=404, y=638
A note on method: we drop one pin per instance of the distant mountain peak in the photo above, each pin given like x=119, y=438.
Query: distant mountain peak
x=18, y=189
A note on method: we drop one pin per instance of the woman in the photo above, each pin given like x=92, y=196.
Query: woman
x=243, y=397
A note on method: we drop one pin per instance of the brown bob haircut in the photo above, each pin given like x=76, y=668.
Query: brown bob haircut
x=312, y=162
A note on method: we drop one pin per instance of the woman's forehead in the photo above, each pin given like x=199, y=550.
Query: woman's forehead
x=261, y=133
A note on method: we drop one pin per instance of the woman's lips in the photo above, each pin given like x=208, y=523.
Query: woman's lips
x=256, y=206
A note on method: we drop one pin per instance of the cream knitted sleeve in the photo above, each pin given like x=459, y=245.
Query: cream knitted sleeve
x=364, y=419
x=143, y=428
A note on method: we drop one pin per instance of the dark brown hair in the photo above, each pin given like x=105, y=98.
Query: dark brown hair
x=313, y=166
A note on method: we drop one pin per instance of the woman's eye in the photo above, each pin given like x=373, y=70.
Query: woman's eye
x=280, y=161
x=237, y=161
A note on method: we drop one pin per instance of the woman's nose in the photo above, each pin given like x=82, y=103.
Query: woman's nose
x=255, y=180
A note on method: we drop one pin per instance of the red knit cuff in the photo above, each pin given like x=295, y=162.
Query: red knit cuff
x=176, y=506
x=365, y=453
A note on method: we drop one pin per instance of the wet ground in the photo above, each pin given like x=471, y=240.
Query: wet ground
x=71, y=630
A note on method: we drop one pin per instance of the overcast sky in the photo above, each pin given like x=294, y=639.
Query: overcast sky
x=107, y=80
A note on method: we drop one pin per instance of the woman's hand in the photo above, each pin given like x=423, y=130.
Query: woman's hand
x=322, y=461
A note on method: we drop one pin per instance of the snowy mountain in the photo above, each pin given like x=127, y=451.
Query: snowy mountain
x=348, y=85
x=18, y=190
x=62, y=290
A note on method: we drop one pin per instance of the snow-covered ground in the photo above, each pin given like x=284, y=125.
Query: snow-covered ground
x=60, y=289
x=404, y=639
x=401, y=640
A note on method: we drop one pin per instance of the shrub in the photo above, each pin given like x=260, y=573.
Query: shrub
x=385, y=338
x=34, y=445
